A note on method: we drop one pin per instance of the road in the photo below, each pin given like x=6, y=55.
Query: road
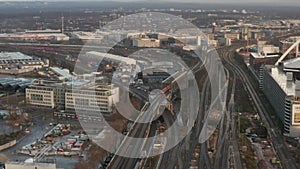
x=41, y=119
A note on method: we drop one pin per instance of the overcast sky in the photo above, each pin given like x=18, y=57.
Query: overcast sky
x=199, y=1
x=273, y=2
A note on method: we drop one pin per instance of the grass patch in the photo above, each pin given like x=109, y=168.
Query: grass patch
x=248, y=156
x=243, y=103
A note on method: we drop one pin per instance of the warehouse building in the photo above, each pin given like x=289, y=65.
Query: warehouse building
x=16, y=62
x=30, y=36
x=24, y=165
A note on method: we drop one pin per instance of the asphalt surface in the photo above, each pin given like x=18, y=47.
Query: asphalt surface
x=41, y=122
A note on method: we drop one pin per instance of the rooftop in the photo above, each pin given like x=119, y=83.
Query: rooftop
x=62, y=73
x=282, y=80
x=292, y=65
x=126, y=60
x=13, y=56
x=51, y=165
x=31, y=35
x=258, y=55
x=16, y=82
x=75, y=84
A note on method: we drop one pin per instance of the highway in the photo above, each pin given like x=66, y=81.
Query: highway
x=277, y=139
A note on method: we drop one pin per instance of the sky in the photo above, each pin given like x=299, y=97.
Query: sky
x=194, y=1
x=287, y=2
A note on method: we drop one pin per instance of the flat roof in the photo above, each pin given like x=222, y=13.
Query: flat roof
x=62, y=73
x=31, y=35
x=13, y=56
x=281, y=78
x=292, y=64
x=74, y=83
x=16, y=81
x=258, y=55
x=126, y=60
x=31, y=164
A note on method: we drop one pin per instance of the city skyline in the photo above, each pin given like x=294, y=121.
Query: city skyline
x=176, y=1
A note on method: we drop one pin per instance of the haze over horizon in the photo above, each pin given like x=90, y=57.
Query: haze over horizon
x=177, y=1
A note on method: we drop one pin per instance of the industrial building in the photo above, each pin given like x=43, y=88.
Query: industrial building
x=17, y=83
x=282, y=88
x=34, y=36
x=16, y=62
x=67, y=95
x=112, y=57
x=146, y=43
x=155, y=77
x=24, y=165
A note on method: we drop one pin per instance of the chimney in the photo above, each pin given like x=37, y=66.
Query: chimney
x=62, y=24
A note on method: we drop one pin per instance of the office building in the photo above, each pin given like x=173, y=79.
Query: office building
x=282, y=89
x=69, y=96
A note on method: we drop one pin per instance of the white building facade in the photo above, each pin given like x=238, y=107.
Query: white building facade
x=97, y=98
x=281, y=91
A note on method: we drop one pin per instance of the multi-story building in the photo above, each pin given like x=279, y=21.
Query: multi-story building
x=265, y=55
x=70, y=96
x=233, y=35
x=94, y=99
x=282, y=90
x=287, y=43
x=40, y=96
